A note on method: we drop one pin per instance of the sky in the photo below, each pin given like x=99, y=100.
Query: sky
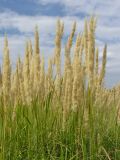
x=18, y=19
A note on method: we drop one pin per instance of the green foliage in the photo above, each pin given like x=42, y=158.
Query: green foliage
x=36, y=133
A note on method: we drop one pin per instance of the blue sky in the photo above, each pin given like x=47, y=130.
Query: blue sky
x=19, y=17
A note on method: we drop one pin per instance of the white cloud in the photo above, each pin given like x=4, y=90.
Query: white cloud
x=106, y=30
x=99, y=7
x=27, y=23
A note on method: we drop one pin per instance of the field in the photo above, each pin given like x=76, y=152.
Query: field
x=64, y=112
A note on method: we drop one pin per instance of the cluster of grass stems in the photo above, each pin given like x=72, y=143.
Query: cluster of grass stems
x=37, y=134
x=64, y=113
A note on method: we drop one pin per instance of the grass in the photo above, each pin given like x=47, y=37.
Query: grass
x=37, y=133
x=77, y=120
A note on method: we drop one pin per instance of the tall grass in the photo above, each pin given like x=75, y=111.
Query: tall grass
x=66, y=115
x=36, y=133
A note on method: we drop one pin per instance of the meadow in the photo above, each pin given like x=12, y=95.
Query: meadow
x=64, y=112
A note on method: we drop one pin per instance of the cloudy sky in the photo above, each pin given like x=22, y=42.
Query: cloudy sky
x=19, y=17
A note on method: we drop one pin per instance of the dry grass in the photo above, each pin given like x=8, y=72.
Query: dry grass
x=68, y=106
